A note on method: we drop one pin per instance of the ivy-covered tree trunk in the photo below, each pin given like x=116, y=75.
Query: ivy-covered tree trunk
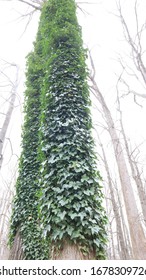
x=61, y=209
x=25, y=234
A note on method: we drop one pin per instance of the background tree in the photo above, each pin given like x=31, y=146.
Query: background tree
x=135, y=227
x=133, y=70
x=8, y=94
x=8, y=97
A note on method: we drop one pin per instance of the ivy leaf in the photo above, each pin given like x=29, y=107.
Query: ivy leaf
x=87, y=192
x=95, y=229
x=69, y=230
x=46, y=176
x=76, y=234
x=90, y=181
x=52, y=159
x=49, y=204
x=73, y=215
x=84, y=178
x=62, y=215
x=96, y=242
x=55, y=234
x=77, y=207
x=62, y=202
x=82, y=215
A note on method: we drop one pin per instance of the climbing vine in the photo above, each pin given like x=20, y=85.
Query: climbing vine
x=71, y=196
x=63, y=202
x=25, y=209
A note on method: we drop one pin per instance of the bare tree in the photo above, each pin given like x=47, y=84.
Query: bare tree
x=8, y=94
x=11, y=101
x=136, y=68
x=123, y=251
x=133, y=165
x=5, y=213
x=135, y=227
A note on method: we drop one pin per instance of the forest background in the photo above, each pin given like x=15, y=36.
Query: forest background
x=114, y=33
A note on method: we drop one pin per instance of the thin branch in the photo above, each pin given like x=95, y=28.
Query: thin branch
x=135, y=47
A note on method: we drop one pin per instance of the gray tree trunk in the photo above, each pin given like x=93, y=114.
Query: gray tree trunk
x=134, y=170
x=136, y=231
x=8, y=115
x=123, y=248
x=5, y=211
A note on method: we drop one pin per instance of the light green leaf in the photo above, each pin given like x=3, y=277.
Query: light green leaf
x=73, y=215
x=95, y=229
x=62, y=215
x=69, y=230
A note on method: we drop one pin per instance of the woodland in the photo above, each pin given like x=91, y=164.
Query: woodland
x=72, y=137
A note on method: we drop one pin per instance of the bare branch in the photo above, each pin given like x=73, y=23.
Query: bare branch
x=37, y=5
x=30, y=4
x=136, y=48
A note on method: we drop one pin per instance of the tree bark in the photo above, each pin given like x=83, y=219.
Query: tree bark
x=16, y=252
x=71, y=252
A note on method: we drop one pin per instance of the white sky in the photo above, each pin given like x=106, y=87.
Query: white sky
x=102, y=33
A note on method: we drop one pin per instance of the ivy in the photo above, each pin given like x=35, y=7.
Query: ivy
x=71, y=195
x=25, y=208
x=58, y=192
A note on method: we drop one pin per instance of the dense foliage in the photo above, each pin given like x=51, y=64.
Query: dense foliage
x=65, y=201
x=25, y=210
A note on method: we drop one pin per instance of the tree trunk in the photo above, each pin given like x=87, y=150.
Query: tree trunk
x=5, y=211
x=58, y=166
x=8, y=118
x=141, y=190
x=112, y=243
x=71, y=252
x=136, y=230
x=16, y=252
x=124, y=227
x=134, y=169
x=124, y=253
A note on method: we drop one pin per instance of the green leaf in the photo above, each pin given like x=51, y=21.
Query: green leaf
x=87, y=192
x=62, y=202
x=77, y=207
x=82, y=215
x=76, y=234
x=96, y=242
x=84, y=178
x=72, y=215
x=62, y=215
x=95, y=229
x=46, y=176
x=69, y=230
